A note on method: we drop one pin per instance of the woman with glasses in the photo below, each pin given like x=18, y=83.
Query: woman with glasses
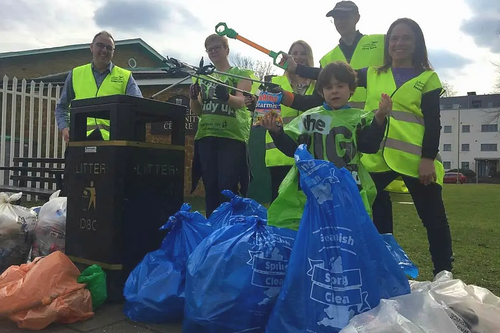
x=220, y=156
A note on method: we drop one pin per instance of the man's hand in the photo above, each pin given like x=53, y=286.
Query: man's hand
x=270, y=123
x=427, y=171
x=222, y=93
x=384, y=107
x=65, y=134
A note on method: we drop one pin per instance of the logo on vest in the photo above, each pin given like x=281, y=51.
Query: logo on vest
x=117, y=79
x=370, y=46
x=419, y=85
x=313, y=124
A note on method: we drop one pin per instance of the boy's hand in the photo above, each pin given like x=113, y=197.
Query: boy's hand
x=269, y=122
x=384, y=107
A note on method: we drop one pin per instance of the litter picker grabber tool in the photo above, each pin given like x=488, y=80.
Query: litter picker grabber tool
x=222, y=30
x=203, y=73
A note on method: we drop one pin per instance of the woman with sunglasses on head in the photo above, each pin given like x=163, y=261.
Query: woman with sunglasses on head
x=220, y=151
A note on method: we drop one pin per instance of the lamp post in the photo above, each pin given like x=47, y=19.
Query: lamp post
x=458, y=148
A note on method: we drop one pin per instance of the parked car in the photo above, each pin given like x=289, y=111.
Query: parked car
x=451, y=177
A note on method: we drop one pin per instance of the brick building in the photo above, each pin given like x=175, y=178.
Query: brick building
x=52, y=65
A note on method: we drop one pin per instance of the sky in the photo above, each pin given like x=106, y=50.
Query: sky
x=462, y=36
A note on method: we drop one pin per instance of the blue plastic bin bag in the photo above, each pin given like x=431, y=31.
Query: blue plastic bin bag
x=400, y=255
x=236, y=206
x=340, y=265
x=234, y=277
x=154, y=291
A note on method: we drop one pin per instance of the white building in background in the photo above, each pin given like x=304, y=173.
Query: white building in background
x=470, y=137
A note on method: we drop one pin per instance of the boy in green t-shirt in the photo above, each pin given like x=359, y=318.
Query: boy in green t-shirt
x=333, y=131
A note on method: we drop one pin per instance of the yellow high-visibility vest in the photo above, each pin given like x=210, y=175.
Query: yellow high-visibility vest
x=369, y=52
x=401, y=148
x=85, y=86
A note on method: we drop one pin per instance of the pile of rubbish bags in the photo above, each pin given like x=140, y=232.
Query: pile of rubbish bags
x=49, y=290
x=29, y=233
x=39, y=284
x=235, y=273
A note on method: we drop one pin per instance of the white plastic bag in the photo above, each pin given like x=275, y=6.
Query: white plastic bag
x=412, y=313
x=478, y=307
x=50, y=232
x=17, y=224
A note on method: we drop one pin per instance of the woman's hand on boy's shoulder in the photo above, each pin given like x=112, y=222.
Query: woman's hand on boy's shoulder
x=384, y=107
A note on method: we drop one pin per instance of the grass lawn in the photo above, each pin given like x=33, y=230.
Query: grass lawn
x=474, y=216
x=473, y=213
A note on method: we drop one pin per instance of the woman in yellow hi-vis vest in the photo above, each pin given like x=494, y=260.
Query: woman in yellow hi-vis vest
x=410, y=147
x=220, y=148
x=278, y=163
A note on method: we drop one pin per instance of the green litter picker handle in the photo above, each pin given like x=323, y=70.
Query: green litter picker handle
x=222, y=30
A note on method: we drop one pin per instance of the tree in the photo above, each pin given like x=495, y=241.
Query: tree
x=449, y=90
x=260, y=68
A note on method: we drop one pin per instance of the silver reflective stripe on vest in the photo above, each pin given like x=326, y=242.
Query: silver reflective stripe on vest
x=270, y=145
x=287, y=120
x=99, y=126
x=406, y=147
x=406, y=117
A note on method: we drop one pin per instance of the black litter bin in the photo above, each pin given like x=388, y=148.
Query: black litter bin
x=121, y=191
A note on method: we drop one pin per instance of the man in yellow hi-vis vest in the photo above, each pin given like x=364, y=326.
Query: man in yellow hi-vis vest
x=99, y=78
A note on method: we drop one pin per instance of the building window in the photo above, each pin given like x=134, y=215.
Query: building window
x=447, y=165
x=456, y=106
x=488, y=147
x=489, y=128
x=465, y=166
x=447, y=129
x=490, y=104
x=476, y=104
x=465, y=128
x=447, y=147
x=465, y=147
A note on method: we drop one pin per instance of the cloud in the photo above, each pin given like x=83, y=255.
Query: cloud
x=146, y=15
x=484, y=25
x=446, y=60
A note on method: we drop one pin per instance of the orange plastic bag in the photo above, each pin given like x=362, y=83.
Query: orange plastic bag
x=45, y=291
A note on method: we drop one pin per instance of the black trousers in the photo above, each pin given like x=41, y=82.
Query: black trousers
x=278, y=173
x=429, y=204
x=221, y=163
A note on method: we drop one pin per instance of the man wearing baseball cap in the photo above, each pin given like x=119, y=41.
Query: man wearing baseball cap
x=354, y=48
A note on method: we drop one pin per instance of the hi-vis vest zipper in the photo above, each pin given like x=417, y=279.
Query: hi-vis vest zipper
x=85, y=86
x=401, y=148
x=274, y=157
x=369, y=52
